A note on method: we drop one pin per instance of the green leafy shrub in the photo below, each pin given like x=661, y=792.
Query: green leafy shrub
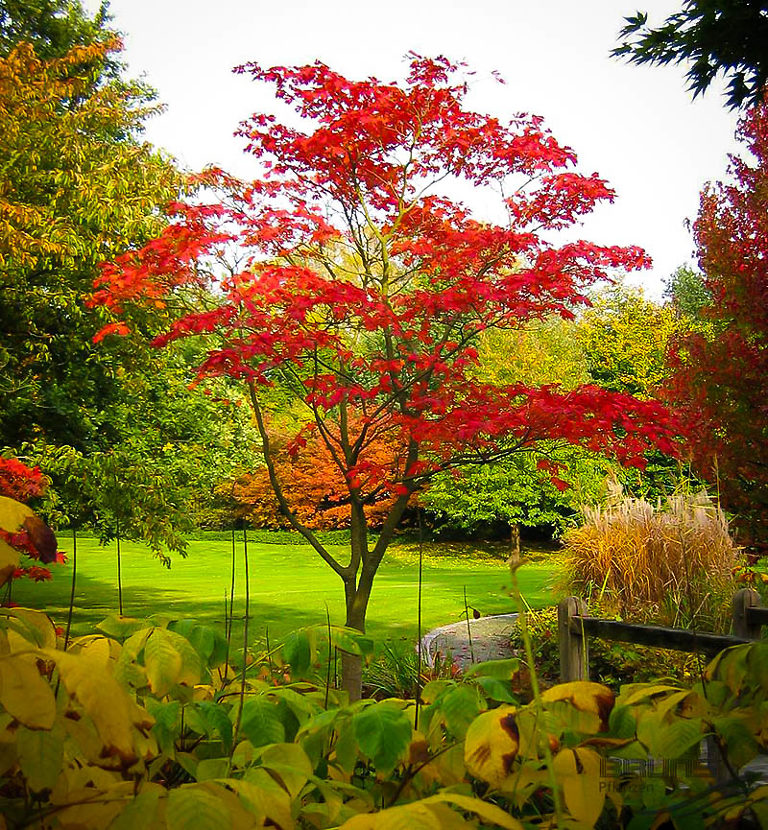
x=393, y=672
x=147, y=726
x=514, y=491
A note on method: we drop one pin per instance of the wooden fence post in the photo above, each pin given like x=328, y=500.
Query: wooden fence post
x=574, y=651
x=743, y=599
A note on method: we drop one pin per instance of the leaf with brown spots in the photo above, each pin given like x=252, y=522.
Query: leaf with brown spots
x=492, y=744
x=584, y=696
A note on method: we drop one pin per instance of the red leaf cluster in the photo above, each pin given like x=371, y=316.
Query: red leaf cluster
x=19, y=482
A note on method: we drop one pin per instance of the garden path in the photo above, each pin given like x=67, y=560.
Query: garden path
x=486, y=638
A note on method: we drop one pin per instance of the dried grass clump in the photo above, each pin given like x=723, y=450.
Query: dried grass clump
x=674, y=564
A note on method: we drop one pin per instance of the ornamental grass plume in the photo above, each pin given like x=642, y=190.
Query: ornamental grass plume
x=672, y=563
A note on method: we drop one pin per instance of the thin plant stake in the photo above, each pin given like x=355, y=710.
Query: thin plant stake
x=245, y=646
x=469, y=627
x=119, y=574
x=226, y=635
x=328, y=670
x=72, y=590
x=418, y=624
x=232, y=588
x=229, y=614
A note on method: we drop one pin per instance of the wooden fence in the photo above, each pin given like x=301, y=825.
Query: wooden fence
x=575, y=626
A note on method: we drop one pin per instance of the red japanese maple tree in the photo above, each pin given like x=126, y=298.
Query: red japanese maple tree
x=721, y=378
x=358, y=288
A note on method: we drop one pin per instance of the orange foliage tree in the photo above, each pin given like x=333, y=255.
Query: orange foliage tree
x=314, y=487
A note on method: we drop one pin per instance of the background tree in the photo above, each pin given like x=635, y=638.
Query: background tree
x=687, y=292
x=727, y=37
x=543, y=351
x=492, y=498
x=362, y=293
x=624, y=339
x=52, y=27
x=619, y=343
x=720, y=375
x=313, y=486
x=77, y=184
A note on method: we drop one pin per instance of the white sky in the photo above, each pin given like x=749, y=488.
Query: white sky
x=634, y=125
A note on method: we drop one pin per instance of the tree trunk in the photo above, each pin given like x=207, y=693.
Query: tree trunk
x=352, y=664
x=356, y=596
x=357, y=592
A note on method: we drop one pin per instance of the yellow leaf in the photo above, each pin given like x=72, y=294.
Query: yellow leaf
x=170, y=659
x=87, y=816
x=584, y=696
x=103, y=699
x=240, y=818
x=85, y=781
x=9, y=561
x=641, y=691
x=578, y=772
x=488, y=812
x=25, y=694
x=491, y=745
x=290, y=763
x=523, y=782
x=13, y=514
x=364, y=821
x=162, y=662
x=97, y=645
x=445, y=769
x=192, y=807
x=264, y=802
x=415, y=816
x=141, y=812
x=40, y=626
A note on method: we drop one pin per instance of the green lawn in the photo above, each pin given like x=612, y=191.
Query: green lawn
x=289, y=584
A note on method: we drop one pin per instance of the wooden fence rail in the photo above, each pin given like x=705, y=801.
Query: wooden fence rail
x=575, y=626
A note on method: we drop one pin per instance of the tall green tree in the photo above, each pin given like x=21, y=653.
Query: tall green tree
x=53, y=27
x=79, y=185
x=76, y=185
x=624, y=338
x=711, y=37
x=687, y=292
